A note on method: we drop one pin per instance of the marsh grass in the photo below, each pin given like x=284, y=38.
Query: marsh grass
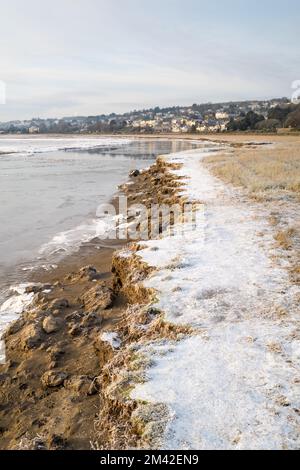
x=260, y=170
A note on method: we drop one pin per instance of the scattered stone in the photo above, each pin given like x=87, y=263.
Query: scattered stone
x=51, y=325
x=53, y=379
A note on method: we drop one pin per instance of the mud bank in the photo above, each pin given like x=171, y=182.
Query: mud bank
x=72, y=356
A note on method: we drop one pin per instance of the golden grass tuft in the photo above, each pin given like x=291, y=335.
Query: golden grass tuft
x=264, y=169
x=268, y=174
x=284, y=238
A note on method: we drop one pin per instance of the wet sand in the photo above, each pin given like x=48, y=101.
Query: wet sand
x=33, y=416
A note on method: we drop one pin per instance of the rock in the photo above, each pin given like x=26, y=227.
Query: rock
x=31, y=337
x=51, y=325
x=53, y=379
x=79, y=384
x=134, y=173
x=99, y=297
x=74, y=317
x=59, y=304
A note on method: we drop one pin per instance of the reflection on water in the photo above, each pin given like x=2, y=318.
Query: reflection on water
x=147, y=149
x=43, y=195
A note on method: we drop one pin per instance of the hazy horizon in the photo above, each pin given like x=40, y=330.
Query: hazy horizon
x=97, y=57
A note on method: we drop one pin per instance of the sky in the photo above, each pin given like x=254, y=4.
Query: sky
x=88, y=57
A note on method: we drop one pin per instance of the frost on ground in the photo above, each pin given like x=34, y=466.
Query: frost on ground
x=112, y=339
x=236, y=383
x=11, y=309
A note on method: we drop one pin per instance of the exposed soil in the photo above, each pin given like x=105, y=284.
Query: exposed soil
x=62, y=386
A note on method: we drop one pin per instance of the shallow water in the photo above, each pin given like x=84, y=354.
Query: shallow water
x=49, y=196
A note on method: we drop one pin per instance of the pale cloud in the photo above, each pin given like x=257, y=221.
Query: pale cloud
x=95, y=56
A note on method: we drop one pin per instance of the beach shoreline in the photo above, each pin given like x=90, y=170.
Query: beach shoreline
x=84, y=357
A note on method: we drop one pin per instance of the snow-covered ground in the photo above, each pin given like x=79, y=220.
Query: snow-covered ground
x=235, y=384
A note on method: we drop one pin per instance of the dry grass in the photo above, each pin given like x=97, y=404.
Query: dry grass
x=260, y=170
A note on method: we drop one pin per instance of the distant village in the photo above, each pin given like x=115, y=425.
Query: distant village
x=198, y=118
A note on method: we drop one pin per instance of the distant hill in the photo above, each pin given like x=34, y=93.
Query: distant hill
x=239, y=116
